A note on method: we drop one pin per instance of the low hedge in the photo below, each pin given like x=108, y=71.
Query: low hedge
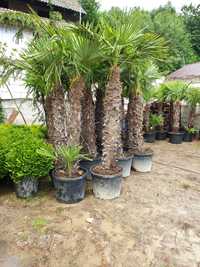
x=11, y=136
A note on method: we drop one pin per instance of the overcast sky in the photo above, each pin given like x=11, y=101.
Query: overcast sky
x=146, y=4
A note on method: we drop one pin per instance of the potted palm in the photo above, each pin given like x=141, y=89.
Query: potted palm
x=161, y=133
x=174, y=92
x=69, y=178
x=154, y=121
x=192, y=99
x=107, y=177
x=26, y=166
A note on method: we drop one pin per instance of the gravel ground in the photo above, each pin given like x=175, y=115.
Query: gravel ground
x=155, y=222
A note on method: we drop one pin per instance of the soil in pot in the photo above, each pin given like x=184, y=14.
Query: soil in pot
x=125, y=163
x=70, y=189
x=142, y=161
x=188, y=137
x=106, y=184
x=150, y=137
x=176, y=138
x=161, y=135
x=27, y=187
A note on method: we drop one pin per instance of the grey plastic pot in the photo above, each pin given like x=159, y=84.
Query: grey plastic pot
x=88, y=164
x=125, y=164
x=106, y=186
x=70, y=190
x=142, y=162
x=27, y=187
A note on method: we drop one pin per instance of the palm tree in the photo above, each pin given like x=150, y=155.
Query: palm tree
x=117, y=38
x=192, y=98
x=43, y=65
x=174, y=92
x=149, y=48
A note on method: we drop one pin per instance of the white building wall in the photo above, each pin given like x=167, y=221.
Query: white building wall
x=16, y=86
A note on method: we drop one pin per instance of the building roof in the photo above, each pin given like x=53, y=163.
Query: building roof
x=67, y=4
x=187, y=72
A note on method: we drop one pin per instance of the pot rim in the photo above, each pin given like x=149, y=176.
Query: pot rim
x=174, y=133
x=67, y=179
x=105, y=176
x=144, y=154
x=125, y=158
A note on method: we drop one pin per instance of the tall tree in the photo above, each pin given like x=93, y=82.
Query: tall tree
x=91, y=8
x=170, y=25
x=191, y=16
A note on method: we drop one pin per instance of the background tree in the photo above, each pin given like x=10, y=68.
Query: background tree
x=91, y=8
x=170, y=25
x=191, y=16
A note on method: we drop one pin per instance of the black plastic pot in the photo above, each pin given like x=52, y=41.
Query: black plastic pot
x=27, y=187
x=106, y=186
x=142, y=162
x=176, y=138
x=161, y=135
x=188, y=137
x=150, y=137
x=88, y=164
x=70, y=190
x=125, y=164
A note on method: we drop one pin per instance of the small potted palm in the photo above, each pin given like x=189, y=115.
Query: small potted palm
x=26, y=166
x=154, y=121
x=174, y=92
x=161, y=133
x=69, y=178
x=189, y=134
x=192, y=99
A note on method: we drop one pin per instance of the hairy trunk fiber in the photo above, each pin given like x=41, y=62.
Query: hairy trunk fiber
x=88, y=135
x=112, y=145
x=74, y=111
x=191, y=117
x=54, y=106
x=176, y=116
x=147, y=110
x=135, y=123
x=99, y=117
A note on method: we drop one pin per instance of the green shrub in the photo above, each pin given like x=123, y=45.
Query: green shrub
x=23, y=161
x=10, y=134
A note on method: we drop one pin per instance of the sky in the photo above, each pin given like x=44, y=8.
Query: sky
x=145, y=4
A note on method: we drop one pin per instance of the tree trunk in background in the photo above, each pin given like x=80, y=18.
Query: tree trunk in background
x=75, y=95
x=191, y=117
x=88, y=135
x=176, y=116
x=135, y=123
x=54, y=106
x=112, y=145
x=147, y=111
x=99, y=117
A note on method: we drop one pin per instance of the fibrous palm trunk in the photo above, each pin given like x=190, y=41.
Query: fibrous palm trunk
x=112, y=145
x=147, y=110
x=176, y=116
x=74, y=111
x=54, y=106
x=99, y=117
x=191, y=117
x=88, y=135
x=135, y=123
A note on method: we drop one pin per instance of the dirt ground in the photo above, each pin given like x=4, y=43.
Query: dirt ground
x=155, y=222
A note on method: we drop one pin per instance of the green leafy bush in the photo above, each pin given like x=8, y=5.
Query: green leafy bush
x=9, y=135
x=191, y=130
x=23, y=161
